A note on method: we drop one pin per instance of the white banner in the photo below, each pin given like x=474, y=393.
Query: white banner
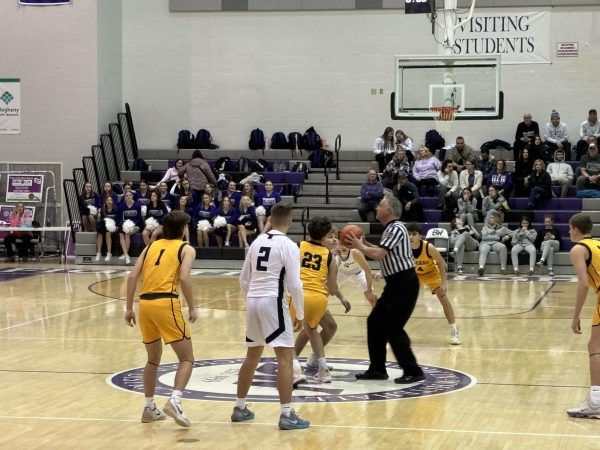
x=519, y=38
x=10, y=106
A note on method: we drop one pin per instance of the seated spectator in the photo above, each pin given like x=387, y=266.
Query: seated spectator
x=142, y=196
x=526, y=131
x=108, y=211
x=561, y=172
x=462, y=237
x=127, y=187
x=206, y=211
x=232, y=193
x=371, y=193
x=548, y=241
x=183, y=188
x=485, y=164
x=540, y=184
x=501, y=179
x=494, y=201
x=449, y=187
x=556, y=135
x=230, y=214
x=523, y=239
x=246, y=221
x=425, y=170
x=157, y=210
x=107, y=191
x=129, y=211
x=88, y=199
x=461, y=153
x=169, y=200
x=467, y=207
x=212, y=193
x=384, y=148
x=409, y=197
x=589, y=127
x=538, y=150
x=471, y=178
x=249, y=191
x=267, y=200
x=403, y=142
x=494, y=237
x=589, y=167
x=523, y=168
x=173, y=173
x=199, y=173
x=183, y=206
x=17, y=218
x=399, y=163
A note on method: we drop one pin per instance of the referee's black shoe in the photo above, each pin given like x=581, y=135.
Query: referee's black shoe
x=372, y=375
x=408, y=379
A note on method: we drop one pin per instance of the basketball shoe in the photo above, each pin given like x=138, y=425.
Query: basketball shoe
x=173, y=409
x=241, y=415
x=587, y=410
x=293, y=422
x=152, y=414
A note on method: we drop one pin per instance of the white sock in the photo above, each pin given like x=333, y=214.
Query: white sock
x=323, y=363
x=149, y=401
x=240, y=403
x=176, y=395
x=595, y=394
x=286, y=409
x=296, y=365
x=453, y=328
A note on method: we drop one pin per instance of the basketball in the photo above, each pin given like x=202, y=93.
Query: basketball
x=354, y=230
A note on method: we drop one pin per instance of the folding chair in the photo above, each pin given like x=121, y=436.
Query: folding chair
x=441, y=241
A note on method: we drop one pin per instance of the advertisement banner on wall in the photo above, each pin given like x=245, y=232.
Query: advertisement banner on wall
x=520, y=38
x=7, y=210
x=24, y=188
x=10, y=106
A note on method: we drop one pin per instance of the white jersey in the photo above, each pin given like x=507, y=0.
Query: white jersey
x=272, y=265
x=347, y=265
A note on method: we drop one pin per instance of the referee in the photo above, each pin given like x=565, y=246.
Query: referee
x=398, y=299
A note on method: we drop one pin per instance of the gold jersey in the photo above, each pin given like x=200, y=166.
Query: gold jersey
x=424, y=262
x=314, y=266
x=593, y=262
x=161, y=268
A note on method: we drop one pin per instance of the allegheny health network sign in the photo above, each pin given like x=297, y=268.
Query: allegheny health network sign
x=10, y=106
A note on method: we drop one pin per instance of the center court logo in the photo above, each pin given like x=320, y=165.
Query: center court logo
x=216, y=379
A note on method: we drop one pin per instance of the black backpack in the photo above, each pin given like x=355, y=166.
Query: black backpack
x=243, y=165
x=257, y=140
x=223, y=164
x=434, y=140
x=316, y=158
x=185, y=139
x=204, y=140
x=311, y=139
x=139, y=164
x=278, y=141
x=295, y=141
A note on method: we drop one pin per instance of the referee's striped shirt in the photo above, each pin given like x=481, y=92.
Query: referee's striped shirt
x=395, y=240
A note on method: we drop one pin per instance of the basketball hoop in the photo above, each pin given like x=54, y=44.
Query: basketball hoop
x=443, y=116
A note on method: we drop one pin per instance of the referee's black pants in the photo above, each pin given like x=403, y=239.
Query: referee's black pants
x=387, y=320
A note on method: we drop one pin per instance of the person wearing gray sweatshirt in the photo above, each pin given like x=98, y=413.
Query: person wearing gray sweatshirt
x=556, y=135
x=523, y=239
x=494, y=236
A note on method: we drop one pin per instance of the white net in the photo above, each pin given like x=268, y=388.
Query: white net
x=443, y=117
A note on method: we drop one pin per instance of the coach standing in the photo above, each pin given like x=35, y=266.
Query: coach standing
x=397, y=302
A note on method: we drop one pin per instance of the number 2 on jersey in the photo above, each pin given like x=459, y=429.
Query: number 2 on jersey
x=263, y=258
x=311, y=261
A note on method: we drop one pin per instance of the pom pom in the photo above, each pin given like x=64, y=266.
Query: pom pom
x=204, y=225
x=151, y=224
x=110, y=225
x=219, y=222
x=93, y=210
x=260, y=211
x=144, y=209
x=128, y=227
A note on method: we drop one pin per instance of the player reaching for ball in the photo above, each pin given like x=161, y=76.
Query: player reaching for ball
x=431, y=270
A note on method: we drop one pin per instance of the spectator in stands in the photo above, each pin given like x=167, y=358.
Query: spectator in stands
x=589, y=167
x=184, y=188
x=173, y=173
x=561, y=172
x=126, y=188
x=467, y=207
x=16, y=219
x=403, y=142
x=88, y=198
x=589, y=127
x=169, y=200
x=129, y=211
x=548, y=241
x=449, y=187
x=384, y=148
x=523, y=168
x=212, y=193
x=184, y=206
x=157, y=210
x=232, y=193
x=471, y=178
x=399, y=163
x=523, y=239
x=556, y=135
x=267, y=200
x=199, y=173
x=246, y=221
x=462, y=237
x=371, y=193
x=408, y=194
x=524, y=136
x=494, y=237
x=425, y=170
x=486, y=163
x=501, y=179
x=205, y=211
x=248, y=191
x=461, y=153
x=538, y=150
x=108, y=211
x=230, y=214
x=107, y=191
x=540, y=184
x=142, y=196
x=494, y=201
